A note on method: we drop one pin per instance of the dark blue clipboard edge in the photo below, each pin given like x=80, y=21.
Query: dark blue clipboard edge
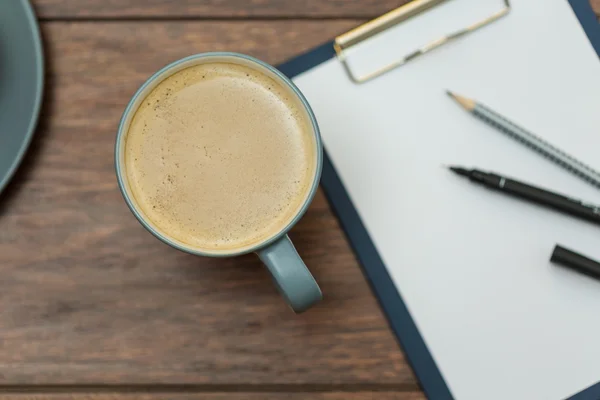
x=391, y=302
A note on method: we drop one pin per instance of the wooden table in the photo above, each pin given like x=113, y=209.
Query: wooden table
x=94, y=307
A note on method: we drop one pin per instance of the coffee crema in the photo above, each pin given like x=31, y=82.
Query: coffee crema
x=220, y=157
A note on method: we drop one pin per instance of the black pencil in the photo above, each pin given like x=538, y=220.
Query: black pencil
x=533, y=194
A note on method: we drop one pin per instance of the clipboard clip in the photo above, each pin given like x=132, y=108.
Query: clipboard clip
x=363, y=32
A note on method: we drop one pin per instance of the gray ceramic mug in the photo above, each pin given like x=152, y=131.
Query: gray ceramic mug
x=290, y=275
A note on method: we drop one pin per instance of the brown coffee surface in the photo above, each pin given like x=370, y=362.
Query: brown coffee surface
x=220, y=157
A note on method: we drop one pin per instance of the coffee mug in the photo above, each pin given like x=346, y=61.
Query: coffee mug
x=290, y=275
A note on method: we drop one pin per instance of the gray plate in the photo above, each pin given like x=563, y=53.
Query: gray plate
x=21, y=83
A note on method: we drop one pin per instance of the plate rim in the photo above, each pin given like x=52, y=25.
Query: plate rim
x=39, y=90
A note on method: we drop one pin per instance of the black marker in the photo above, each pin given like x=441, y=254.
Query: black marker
x=571, y=259
x=533, y=194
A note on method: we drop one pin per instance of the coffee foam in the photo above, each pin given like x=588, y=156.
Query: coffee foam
x=220, y=157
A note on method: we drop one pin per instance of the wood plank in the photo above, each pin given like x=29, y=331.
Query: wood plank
x=596, y=6
x=214, y=8
x=221, y=396
x=49, y=9
x=88, y=296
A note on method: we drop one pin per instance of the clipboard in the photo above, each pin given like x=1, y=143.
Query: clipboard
x=394, y=307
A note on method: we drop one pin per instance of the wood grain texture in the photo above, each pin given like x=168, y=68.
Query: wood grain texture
x=49, y=9
x=214, y=8
x=88, y=296
x=222, y=396
x=596, y=6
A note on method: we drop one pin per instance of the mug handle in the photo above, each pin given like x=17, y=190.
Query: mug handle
x=290, y=275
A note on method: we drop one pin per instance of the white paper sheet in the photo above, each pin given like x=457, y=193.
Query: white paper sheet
x=473, y=265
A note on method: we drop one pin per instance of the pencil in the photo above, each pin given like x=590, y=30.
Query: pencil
x=527, y=138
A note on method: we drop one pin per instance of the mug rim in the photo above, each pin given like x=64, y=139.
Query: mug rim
x=188, y=248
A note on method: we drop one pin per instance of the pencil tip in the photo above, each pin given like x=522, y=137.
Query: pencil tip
x=466, y=103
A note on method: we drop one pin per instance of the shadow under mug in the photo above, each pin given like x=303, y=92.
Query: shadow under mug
x=290, y=275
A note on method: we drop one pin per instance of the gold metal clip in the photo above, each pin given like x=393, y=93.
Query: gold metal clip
x=363, y=32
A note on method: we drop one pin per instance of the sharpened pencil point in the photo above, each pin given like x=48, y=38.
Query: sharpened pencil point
x=465, y=102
